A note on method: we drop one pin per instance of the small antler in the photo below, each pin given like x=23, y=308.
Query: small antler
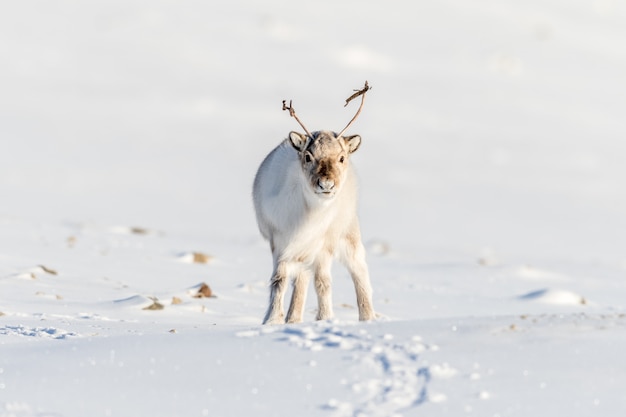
x=292, y=113
x=361, y=93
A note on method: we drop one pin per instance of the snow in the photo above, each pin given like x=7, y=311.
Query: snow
x=492, y=207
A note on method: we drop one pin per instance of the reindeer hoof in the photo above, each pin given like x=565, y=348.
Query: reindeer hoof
x=274, y=320
x=369, y=316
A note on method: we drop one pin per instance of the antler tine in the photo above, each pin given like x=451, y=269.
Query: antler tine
x=361, y=93
x=292, y=113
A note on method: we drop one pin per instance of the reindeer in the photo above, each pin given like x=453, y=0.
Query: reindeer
x=305, y=198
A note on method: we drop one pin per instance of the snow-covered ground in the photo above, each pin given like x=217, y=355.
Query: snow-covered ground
x=493, y=207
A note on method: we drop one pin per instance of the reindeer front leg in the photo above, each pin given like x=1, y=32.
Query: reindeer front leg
x=298, y=298
x=323, y=282
x=278, y=284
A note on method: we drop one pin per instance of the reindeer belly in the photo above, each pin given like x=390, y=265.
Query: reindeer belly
x=307, y=239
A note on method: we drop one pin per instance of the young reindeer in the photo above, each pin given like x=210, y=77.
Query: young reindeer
x=305, y=197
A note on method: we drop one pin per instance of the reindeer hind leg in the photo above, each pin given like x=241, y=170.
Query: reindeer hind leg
x=353, y=257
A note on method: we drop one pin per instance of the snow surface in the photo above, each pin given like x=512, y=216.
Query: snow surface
x=492, y=206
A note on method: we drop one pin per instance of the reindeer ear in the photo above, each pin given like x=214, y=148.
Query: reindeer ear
x=352, y=142
x=298, y=140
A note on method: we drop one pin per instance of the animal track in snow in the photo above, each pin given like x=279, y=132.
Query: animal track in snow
x=41, y=332
x=387, y=377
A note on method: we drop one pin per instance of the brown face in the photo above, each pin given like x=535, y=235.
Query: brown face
x=324, y=159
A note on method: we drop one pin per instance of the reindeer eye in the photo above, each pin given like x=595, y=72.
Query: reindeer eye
x=307, y=157
x=341, y=159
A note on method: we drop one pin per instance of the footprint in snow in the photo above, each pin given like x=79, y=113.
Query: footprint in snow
x=387, y=377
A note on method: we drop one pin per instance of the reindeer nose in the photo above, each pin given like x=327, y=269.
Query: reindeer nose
x=326, y=185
